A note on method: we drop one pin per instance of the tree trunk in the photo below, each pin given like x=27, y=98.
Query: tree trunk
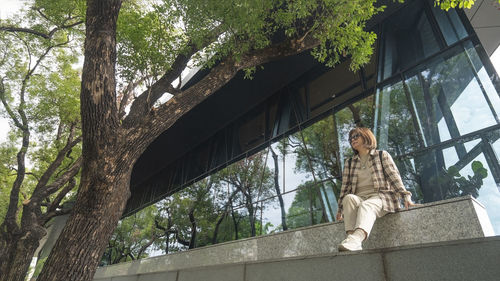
x=167, y=243
x=278, y=191
x=235, y=222
x=217, y=226
x=7, y=238
x=18, y=248
x=251, y=216
x=192, y=241
x=20, y=253
x=99, y=206
x=108, y=156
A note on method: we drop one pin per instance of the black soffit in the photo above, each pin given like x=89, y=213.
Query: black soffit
x=233, y=100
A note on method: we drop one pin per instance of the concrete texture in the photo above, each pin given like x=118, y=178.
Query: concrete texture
x=125, y=278
x=337, y=267
x=161, y=276
x=223, y=273
x=475, y=260
x=460, y=260
x=449, y=220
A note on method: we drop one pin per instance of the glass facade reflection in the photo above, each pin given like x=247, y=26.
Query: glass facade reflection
x=432, y=99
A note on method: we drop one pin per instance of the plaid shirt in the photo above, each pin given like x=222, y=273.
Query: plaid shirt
x=390, y=189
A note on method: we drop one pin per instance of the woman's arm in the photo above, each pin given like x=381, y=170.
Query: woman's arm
x=393, y=176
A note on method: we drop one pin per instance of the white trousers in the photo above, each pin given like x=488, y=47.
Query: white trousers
x=359, y=213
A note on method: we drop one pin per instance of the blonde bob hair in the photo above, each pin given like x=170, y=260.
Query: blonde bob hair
x=369, y=140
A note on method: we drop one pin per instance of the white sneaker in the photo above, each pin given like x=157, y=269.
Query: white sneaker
x=351, y=243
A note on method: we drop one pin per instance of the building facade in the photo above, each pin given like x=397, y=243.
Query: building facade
x=274, y=150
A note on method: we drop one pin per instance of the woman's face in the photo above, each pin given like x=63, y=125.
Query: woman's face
x=356, y=141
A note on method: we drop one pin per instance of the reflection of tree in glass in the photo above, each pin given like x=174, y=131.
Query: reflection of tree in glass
x=187, y=219
x=457, y=185
x=131, y=238
x=306, y=208
x=396, y=122
x=204, y=213
x=397, y=133
x=434, y=88
x=316, y=152
x=277, y=185
x=254, y=181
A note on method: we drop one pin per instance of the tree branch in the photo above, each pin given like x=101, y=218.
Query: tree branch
x=33, y=175
x=55, y=204
x=144, y=102
x=145, y=246
x=24, y=30
x=48, y=35
x=12, y=211
x=48, y=216
x=11, y=215
x=70, y=143
x=62, y=180
x=157, y=224
x=7, y=107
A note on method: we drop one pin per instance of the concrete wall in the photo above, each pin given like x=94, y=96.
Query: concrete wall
x=449, y=220
x=470, y=259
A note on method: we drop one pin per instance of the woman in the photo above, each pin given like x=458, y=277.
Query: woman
x=371, y=188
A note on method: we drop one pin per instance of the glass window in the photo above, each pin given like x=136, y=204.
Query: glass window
x=490, y=91
x=428, y=113
x=450, y=25
x=407, y=38
x=442, y=173
x=394, y=123
x=471, y=144
x=450, y=156
x=272, y=218
x=450, y=97
x=251, y=130
x=496, y=147
x=488, y=192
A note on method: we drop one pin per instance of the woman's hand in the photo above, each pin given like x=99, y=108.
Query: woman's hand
x=339, y=217
x=410, y=204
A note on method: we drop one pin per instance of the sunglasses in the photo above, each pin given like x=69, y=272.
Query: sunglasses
x=354, y=137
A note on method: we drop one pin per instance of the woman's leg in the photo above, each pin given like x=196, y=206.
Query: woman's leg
x=368, y=211
x=351, y=203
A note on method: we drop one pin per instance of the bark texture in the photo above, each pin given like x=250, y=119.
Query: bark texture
x=106, y=166
x=20, y=252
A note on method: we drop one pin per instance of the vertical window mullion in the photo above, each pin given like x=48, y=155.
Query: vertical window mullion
x=413, y=110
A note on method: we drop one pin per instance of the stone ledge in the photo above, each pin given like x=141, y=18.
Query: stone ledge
x=454, y=219
x=466, y=259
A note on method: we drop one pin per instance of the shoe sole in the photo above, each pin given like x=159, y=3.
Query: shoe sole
x=341, y=248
